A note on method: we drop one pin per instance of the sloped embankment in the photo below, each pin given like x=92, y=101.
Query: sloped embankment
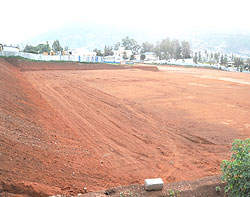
x=59, y=148
x=23, y=143
x=38, y=65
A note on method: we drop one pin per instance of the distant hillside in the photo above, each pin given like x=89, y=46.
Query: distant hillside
x=89, y=36
x=96, y=36
x=229, y=43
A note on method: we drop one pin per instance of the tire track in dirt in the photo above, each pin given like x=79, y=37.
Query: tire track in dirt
x=107, y=128
x=107, y=121
x=129, y=147
x=199, y=130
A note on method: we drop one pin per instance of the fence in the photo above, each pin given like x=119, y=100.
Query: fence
x=40, y=57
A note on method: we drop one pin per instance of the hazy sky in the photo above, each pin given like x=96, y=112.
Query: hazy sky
x=24, y=19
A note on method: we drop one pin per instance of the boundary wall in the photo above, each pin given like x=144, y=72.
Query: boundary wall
x=41, y=57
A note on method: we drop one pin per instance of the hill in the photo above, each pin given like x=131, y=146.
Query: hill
x=89, y=35
x=97, y=36
x=227, y=43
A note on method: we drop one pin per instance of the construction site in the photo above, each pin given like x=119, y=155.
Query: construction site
x=69, y=126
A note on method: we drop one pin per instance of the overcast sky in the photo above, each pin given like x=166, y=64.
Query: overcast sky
x=24, y=19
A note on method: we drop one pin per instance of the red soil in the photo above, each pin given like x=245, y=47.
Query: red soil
x=146, y=67
x=61, y=131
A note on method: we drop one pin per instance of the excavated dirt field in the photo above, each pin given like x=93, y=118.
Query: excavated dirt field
x=62, y=130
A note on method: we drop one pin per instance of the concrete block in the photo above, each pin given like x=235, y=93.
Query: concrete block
x=153, y=184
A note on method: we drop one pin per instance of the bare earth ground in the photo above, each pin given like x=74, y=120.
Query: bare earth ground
x=63, y=130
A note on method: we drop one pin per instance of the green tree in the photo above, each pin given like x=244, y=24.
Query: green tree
x=44, y=48
x=216, y=57
x=225, y=61
x=238, y=61
x=175, y=49
x=40, y=48
x=206, y=55
x=142, y=57
x=236, y=173
x=48, y=49
x=117, y=46
x=147, y=47
x=66, y=48
x=108, y=50
x=221, y=60
x=31, y=49
x=195, y=59
x=185, y=49
x=199, y=57
x=165, y=46
x=248, y=64
x=98, y=52
x=157, y=50
x=172, y=49
x=56, y=46
x=132, y=57
x=212, y=56
x=131, y=44
x=232, y=57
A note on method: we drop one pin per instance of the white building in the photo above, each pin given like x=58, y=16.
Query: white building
x=150, y=56
x=230, y=63
x=137, y=58
x=188, y=61
x=10, y=49
x=81, y=52
x=121, y=52
x=112, y=59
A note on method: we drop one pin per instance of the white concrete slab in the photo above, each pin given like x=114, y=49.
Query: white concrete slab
x=153, y=184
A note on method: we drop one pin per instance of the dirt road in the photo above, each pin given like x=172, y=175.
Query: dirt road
x=104, y=128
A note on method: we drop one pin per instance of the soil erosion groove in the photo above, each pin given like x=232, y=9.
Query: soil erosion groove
x=103, y=128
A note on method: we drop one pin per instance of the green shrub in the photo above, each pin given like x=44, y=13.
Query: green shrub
x=237, y=171
x=218, y=189
x=174, y=193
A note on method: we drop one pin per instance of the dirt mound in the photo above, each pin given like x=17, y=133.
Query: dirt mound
x=23, y=141
x=35, y=66
x=26, y=188
x=149, y=68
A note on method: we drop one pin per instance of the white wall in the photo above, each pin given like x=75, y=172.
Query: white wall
x=114, y=59
x=82, y=52
x=41, y=57
x=10, y=49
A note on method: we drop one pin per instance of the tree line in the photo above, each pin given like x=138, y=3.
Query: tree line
x=165, y=49
x=222, y=59
x=169, y=49
x=212, y=58
x=44, y=48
